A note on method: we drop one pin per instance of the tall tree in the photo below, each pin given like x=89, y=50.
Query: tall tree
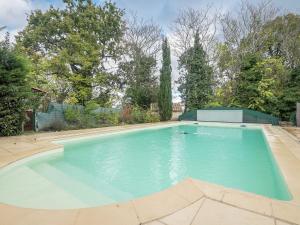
x=283, y=39
x=70, y=48
x=291, y=94
x=139, y=80
x=137, y=70
x=258, y=61
x=165, y=89
x=195, y=84
x=242, y=34
x=13, y=90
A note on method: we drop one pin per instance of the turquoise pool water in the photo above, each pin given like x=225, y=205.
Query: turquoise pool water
x=119, y=167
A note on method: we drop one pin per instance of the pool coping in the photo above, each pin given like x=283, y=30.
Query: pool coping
x=167, y=203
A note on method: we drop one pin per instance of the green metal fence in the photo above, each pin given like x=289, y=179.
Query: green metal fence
x=249, y=115
x=252, y=116
x=190, y=115
x=55, y=115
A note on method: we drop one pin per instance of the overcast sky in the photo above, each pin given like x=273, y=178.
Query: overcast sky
x=13, y=12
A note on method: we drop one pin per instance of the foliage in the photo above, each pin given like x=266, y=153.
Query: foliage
x=165, y=91
x=291, y=94
x=282, y=39
x=77, y=117
x=258, y=69
x=137, y=70
x=136, y=114
x=108, y=118
x=69, y=47
x=91, y=106
x=196, y=81
x=73, y=115
x=71, y=50
x=139, y=79
x=259, y=85
x=13, y=90
x=90, y=117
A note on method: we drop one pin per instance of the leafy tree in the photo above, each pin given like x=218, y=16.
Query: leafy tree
x=260, y=83
x=291, y=94
x=139, y=80
x=256, y=68
x=165, y=91
x=137, y=70
x=246, y=89
x=13, y=90
x=282, y=39
x=195, y=85
x=70, y=47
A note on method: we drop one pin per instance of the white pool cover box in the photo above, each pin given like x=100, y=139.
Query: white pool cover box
x=232, y=116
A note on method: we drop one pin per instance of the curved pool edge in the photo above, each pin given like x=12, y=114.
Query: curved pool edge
x=43, y=142
x=164, y=205
x=172, y=200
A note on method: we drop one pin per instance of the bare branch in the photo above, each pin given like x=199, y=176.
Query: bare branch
x=142, y=36
x=188, y=22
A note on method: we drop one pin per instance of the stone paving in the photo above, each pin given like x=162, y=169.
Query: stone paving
x=295, y=131
x=190, y=202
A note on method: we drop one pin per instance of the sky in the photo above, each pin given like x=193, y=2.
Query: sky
x=13, y=12
x=163, y=12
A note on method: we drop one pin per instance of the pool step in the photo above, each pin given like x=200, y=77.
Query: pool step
x=78, y=189
x=101, y=186
x=26, y=188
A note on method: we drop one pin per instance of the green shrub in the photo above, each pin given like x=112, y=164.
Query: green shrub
x=89, y=118
x=108, y=118
x=138, y=115
x=151, y=117
x=213, y=104
x=72, y=115
x=135, y=114
x=90, y=106
x=77, y=118
x=13, y=90
x=114, y=118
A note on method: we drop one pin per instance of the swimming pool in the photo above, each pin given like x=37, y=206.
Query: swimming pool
x=118, y=167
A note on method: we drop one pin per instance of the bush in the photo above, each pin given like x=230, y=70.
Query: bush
x=212, y=104
x=13, y=91
x=138, y=115
x=151, y=117
x=108, y=118
x=135, y=114
x=89, y=117
x=90, y=107
x=72, y=115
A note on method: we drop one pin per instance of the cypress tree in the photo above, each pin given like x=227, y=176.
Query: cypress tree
x=165, y=92
x=196, y=82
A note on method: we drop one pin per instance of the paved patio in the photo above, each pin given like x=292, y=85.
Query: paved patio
x=295, y=131
x=189, y=202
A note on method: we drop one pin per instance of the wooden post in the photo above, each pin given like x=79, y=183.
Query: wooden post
x=298, y=115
